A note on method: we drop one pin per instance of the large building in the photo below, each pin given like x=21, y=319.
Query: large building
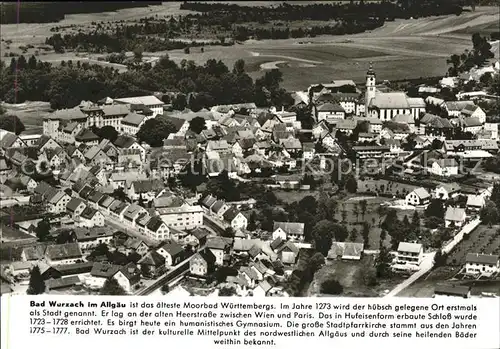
x=386, y=105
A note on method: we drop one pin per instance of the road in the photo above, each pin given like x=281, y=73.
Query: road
x=428, y=260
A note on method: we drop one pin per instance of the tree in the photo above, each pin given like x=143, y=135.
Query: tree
x=197, y=125
x=42, y=230
x=316, y=261
x=435, y=209
x=36, y=284
x=440, y=259
x=363, y=204
x=227, y=291
x=100, y=250
x=383, y=263
x=322, y=234
x=108, y=132
x=353, y=235
x=239, y=67
x=154, y=131
x=331, y=286
x=252, y=221
x=65, y=237
x=228, y=232
x=351, y=184
x=489, y=213
x=179, y=102
x=366, y=234
x=11, y=123
x=145, y=270
x=165, y=288
x=112, y=288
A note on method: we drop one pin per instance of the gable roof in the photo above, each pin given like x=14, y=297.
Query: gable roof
x=63, y=251
x=482, y=258
x=455, y=214
x=409, y=247
x=231, y=214
x=293, y=228
x=172, y=248
x=390, y=100
x=133, y=119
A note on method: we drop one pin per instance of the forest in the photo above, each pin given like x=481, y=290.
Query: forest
x=47, y=12
x=224, y=23
x=205, y=85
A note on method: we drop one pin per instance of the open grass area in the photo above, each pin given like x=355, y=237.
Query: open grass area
x=294, y=195
x=351, y=275
x=483, y=239
x=400, y=49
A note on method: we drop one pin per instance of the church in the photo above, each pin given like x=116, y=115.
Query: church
x=386, y=105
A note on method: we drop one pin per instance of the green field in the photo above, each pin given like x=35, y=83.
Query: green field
x=400, y=49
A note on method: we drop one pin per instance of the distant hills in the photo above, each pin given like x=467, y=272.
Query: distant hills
x=47, y=12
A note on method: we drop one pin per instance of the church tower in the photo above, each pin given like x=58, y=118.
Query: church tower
x=370, y=87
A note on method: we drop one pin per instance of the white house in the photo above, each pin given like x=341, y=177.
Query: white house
x=409, y=256
x=474, y=111
x=418, y=197
x=454, y=216
x=184, y=217
x=447, y=191
x=172, y=252
x=90, y=218
x=330, y=111
x=485, y=264
x=150, y=102
x=475, y=202
x=236, y=219
x=288, y=231
x=444, y=167
x=90, y=238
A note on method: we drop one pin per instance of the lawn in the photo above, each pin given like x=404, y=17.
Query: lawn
x=351, y=276
x=424, y=287
x=294, y=195
x=483, y=239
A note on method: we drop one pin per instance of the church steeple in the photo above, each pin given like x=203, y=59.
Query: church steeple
x=370, y=87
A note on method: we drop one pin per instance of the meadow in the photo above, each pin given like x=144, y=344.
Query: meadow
x=400, y=49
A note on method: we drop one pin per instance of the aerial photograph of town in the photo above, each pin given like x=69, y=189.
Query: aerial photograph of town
x=250, y=148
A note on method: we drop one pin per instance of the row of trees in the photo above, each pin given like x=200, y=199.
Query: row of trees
x=220, y=13
x=66, y=86
x=480, y=53
x=46, y=12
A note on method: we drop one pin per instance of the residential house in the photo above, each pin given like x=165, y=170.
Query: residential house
x=288, y=253
x=172, y=252
x=184, y=217
x=90, y=218
x=131, y=123
x=131, y=213
x=145, y=189
x=452, y=291
x=134, y=245
x=57, y=201
x=454, y=217
x=128, y=276
x=63, y=254
x=329, y=111
x=124, y=142
x=409, y=256
x=444, y=167
x=154, y=263
x=219, y=246
x=87, y=137
x=288, y=231
x=219, y=208
x=75, y=207
x=475, y=202
x=346, y=250
x=92, y=237
x=202, y=264
x=236, y=219
x=197, y=237
x=157, y=229
x=483, y=264
x=447, y=191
